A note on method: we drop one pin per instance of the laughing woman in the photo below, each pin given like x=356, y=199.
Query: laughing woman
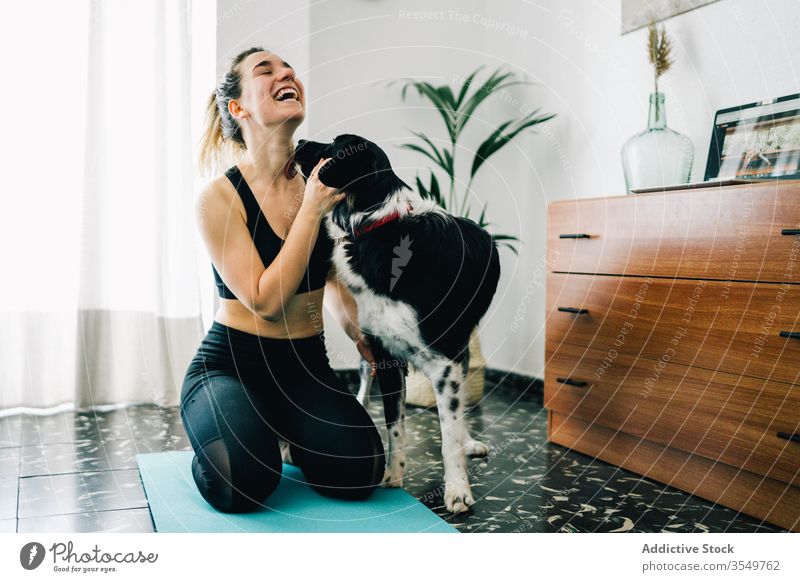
x=262, y=371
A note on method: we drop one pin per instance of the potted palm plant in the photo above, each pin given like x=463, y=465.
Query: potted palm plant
x=456, y=106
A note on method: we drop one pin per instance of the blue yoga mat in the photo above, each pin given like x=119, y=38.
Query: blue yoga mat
x=177, y=505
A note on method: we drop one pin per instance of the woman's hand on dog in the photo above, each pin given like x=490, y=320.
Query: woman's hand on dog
x=318, y=198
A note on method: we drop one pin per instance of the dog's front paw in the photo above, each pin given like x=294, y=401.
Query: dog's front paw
x=475, y=448
x=458, y=497
x=392, y=478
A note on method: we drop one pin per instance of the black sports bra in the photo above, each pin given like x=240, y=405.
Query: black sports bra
x=268, y=244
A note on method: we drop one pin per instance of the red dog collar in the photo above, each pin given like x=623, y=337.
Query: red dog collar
x=393, y=216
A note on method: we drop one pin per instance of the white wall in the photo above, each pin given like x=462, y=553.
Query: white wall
x=597, y=81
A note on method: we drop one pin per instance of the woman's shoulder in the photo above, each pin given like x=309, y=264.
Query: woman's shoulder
x=221, y=185
x=218, y=192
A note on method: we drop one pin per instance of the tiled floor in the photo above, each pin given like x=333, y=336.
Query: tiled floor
x=76, y=472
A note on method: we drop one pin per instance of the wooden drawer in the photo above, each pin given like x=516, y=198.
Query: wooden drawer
x=718, y=325
x=720, y=416
x=732, y=233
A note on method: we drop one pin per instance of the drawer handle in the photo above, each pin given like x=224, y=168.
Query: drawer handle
x=790, y=231
x=570, y=382
x=791, y=334
x=789, y=437
x=576, y=235
x=573, y=310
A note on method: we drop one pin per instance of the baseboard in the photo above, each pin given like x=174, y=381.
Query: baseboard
x=521, y=382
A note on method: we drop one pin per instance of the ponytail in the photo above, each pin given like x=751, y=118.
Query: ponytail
x=222, y=143
x=215, y=150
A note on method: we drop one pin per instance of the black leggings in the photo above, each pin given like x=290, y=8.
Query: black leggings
x=243, y=391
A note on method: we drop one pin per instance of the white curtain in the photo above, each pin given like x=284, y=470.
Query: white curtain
x=100, y=301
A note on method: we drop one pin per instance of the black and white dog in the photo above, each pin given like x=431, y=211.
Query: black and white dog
x=422, y=280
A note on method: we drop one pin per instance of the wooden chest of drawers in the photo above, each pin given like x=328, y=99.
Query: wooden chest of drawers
x=673, y=340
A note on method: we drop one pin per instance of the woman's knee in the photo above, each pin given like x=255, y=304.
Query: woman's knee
x=237, y=462
x=234, y=484
x=347, y=474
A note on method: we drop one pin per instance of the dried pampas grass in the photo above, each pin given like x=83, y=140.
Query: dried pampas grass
x=659, y=48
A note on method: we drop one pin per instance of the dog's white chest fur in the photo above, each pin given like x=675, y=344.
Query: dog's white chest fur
x=393, y=321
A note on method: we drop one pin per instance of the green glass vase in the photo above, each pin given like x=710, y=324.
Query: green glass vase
x=657, y=156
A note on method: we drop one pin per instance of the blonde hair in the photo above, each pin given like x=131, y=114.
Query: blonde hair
x=222, y=143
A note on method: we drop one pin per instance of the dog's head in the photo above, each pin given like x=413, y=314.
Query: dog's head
x=357, y=166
